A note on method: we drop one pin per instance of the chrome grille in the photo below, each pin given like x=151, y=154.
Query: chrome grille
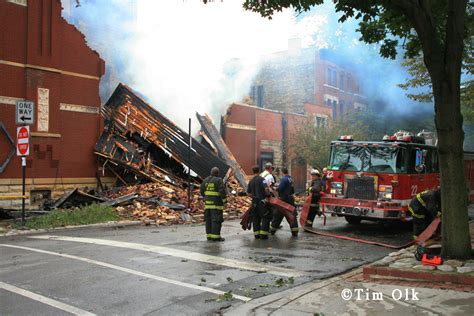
x=360, y=188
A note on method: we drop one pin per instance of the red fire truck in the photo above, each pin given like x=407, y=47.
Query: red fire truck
x=377, y=180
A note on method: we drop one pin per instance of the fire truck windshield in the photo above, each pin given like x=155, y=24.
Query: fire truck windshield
x=368, y=158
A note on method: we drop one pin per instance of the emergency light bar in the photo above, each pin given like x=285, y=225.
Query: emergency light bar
x=403, y=136
x=346, y=137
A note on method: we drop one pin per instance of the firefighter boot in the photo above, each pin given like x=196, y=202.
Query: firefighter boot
x=218, y=239
x=208, y=221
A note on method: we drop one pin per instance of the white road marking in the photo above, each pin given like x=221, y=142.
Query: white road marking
x=135, y=272
x=44, y=300
x=232, y=263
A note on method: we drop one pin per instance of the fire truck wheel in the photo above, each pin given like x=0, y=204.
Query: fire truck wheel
x=353, y=220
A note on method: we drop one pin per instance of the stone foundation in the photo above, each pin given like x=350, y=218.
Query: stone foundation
x=39, y=189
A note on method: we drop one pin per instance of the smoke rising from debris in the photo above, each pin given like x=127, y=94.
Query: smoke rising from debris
x=185, y=56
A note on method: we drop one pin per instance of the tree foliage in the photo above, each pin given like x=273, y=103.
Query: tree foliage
x=313, y=145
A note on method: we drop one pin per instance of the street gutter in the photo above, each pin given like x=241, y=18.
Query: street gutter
x=20, y=232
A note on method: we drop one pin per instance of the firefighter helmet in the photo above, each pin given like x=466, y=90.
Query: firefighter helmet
x=315, y=172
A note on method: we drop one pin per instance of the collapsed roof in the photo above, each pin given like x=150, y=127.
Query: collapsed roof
x=139, y=138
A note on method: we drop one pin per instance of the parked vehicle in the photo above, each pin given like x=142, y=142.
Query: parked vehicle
x=377, y=180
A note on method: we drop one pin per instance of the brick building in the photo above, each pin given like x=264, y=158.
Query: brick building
x=46, y=60
x=290, y=79
x=256, y=136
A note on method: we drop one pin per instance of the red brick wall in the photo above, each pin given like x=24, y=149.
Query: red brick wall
x=268, y=127
x=348, y=95
x=313, y=109
x=62, y=62
x=241, y=114
x=241, y=142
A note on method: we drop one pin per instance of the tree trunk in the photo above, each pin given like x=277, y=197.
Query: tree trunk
x=443, y=61
x=456, y=241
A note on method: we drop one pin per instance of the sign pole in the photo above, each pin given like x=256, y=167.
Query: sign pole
x=189, y=166
x=23, y=150
x=23, y=171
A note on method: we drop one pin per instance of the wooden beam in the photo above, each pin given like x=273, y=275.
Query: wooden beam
x=224, y=151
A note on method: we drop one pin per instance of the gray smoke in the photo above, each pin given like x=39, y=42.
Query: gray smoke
x=184, y=56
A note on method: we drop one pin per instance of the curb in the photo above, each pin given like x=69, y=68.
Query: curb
x=280, y=299
x=48, y=230
x=371, y=272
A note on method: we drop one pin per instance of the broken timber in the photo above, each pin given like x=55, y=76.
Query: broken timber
x=120, y=200
x=148, y=143
x=224, y=152
x=76, y=198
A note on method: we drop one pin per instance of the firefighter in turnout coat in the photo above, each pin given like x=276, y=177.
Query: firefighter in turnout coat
x=260, y=214
x=424, y=208
x=315, y=191
x=214, y=193
x=285, y=192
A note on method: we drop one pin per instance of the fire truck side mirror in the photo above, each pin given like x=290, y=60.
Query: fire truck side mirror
x=419, y=159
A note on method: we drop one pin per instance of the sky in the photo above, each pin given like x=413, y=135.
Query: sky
x=174, y=52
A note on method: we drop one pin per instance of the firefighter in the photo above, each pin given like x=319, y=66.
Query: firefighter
x=285, y=192
x=214, y=193
x=260, y=214
x=424, y=208
x=269, y=180
x=324, y=178
x=267, y=174
x=315, y=190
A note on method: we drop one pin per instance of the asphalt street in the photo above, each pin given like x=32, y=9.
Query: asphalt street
x=148, y=270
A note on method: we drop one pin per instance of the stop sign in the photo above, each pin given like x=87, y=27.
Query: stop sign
x=23, y=141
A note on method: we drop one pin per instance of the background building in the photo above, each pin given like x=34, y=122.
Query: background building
x=290, y=87
x=256, y=136
x=46, y=60
x=290, y=79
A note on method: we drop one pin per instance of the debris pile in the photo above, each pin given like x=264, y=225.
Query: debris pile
x=300, y=198
x=159, y=204
x=150, y=157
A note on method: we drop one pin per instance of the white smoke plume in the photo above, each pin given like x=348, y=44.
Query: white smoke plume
x=185, y=56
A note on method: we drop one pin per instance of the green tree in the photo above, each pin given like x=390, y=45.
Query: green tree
x=314, y=141
x=435, y=29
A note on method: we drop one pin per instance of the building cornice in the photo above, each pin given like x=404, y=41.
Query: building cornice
x=49, y=69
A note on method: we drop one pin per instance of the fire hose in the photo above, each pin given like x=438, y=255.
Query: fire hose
x=424, y=236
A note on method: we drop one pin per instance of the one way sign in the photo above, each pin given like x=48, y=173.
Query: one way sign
x=25, y=112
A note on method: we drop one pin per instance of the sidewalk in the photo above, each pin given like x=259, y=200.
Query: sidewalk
x=325, y=298
x=383, y=287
